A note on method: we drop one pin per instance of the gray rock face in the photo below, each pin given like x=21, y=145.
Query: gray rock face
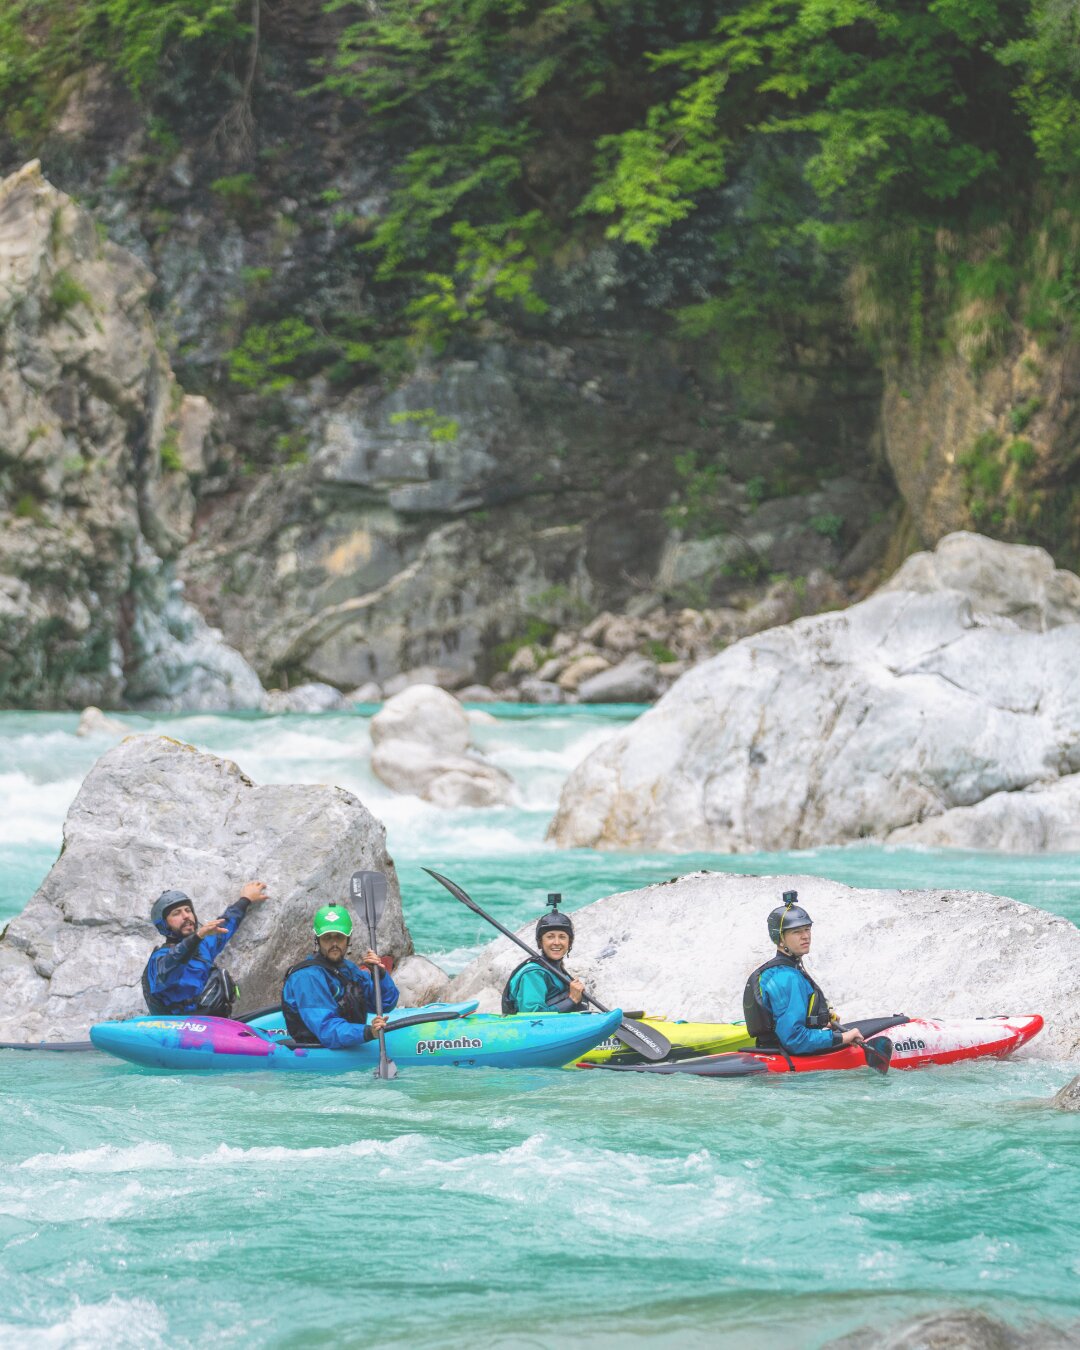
x=97, y=444
x=910, y=717
x=154, y=814
x=1019, y=583
x=686, y=948
x=420, y=981
x=421, y=746
x=633, y=681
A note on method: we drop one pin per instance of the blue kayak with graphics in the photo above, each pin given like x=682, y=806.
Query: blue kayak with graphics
x=439, y=1034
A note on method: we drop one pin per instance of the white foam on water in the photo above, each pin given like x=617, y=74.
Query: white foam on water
x=610, y=1192
x=33, y=812
x=156, y=1157
x=116, y=1324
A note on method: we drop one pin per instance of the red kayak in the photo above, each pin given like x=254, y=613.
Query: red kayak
x=898, y=1041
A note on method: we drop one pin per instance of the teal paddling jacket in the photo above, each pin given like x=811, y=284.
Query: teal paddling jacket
x=533, y=988
x=786, y=992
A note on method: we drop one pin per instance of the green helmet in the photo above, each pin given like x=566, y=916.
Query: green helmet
x=332, y=919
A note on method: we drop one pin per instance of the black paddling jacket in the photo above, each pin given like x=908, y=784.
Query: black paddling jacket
x=786, y=1010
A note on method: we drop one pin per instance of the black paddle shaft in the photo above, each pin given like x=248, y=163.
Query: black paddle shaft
x=645, y=1040
x=370, y=889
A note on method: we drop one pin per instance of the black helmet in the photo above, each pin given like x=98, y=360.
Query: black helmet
x=787, y=916
x=554, y=921
x=166, y=901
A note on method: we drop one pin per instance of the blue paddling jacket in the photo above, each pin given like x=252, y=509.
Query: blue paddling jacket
x=533, y=988
x=785, y=1009
x=328, y=1005
x=177, y=973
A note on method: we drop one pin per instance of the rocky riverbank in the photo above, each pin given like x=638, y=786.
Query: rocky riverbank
x=943, y=710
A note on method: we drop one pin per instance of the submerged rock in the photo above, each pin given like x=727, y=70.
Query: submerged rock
x=912, y=717
x=962, y=1329
x=94, y=722
x=154, y=814
x=307, y=698
x=686, y=947
x=421, y=747
x=1068, y=1099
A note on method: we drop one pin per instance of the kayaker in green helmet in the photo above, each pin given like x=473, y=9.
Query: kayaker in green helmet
x=531, y=986
x=784, y=1007
x=325, y=998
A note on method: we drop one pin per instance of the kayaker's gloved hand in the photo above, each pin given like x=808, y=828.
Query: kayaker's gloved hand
x=850, y=1037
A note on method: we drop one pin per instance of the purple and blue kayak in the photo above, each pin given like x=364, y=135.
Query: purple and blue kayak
x=443, y=1038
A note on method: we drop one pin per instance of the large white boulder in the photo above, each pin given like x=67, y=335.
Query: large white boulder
x=421, y=747
x=154, y=814
x=892, y=720
x=686, y=947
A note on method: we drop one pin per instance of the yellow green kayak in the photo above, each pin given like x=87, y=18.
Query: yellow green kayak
x=687, y=1039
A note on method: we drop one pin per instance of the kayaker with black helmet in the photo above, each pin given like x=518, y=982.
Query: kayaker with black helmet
x=181, y=976
x=784, y=1007
x=531, y=986
x=326, y=998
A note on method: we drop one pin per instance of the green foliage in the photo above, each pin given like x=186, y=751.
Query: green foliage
x=65, y=293
x=984, y=474
x=239, y=193
x=1023, y=454
x=829, y=526
x=270, y=355
x=695, y=510
x=1022, y=414
x=170, y=453
x=44, y=42
x=659, y=652
x=438, y=428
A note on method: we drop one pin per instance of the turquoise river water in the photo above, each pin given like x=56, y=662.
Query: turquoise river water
x=543, y=1208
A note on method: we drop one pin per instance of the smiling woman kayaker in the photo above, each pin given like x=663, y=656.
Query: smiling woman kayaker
x=326, y=998
x=531, y=986
x=784, y=1007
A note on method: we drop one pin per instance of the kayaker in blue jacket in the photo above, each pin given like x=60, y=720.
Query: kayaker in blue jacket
x=531, y=986
x=326, y=998
x=784, y=1007
x=181, y=976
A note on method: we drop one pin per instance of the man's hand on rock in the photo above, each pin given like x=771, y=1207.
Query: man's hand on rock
x=255, y=891
x=212, y=928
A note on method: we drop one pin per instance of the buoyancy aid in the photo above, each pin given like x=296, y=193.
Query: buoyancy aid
x=557, y=991
x=215, y=999
x=759, y=1019
x=348, y=995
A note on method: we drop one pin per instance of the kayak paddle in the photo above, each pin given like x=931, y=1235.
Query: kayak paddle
x=369, y=890
x=644, y=1040
x=878, y=1052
